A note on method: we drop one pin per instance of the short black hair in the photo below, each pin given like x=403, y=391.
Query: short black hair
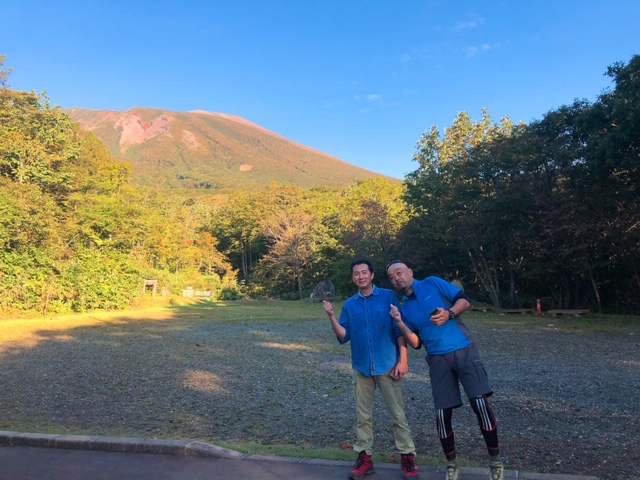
x=394, y=261
x=361, y=261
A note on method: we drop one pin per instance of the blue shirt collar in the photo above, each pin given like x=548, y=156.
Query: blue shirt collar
x=414, y=285
x=374, y=291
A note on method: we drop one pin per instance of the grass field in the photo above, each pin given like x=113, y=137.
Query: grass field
x=269, y=377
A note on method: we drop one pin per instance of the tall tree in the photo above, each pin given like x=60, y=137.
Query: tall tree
x=446, y=195
x=4, y=72
x=372, y=211
x=38, y=142
x=290, y=237
x=610, y=182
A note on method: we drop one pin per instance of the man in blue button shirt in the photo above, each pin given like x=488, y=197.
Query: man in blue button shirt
x=378, y=358
x=430, y=316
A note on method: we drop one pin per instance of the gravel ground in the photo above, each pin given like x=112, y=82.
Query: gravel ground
x=566, y=390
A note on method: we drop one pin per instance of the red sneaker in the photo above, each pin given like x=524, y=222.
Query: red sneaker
x=409, y=469
x=363, y=466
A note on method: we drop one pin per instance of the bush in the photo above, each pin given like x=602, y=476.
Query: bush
x=230, y=292
x=290, y=296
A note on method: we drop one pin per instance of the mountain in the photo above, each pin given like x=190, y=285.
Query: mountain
x=212, y=151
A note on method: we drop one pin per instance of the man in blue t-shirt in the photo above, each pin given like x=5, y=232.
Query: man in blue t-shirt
x=378, y=359
x=429, y=315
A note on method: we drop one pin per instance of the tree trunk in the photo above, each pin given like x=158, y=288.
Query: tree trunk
x=300, y=286
x=635, y=272
x=243, y=257
x=489, y=281
x=595, y=286
x=513, y=291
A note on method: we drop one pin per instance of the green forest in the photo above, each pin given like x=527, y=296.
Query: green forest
x=548, y=210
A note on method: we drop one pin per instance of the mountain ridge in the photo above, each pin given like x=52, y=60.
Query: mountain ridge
x=207, y=150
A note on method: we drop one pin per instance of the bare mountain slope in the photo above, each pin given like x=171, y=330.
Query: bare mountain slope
x=206, y=150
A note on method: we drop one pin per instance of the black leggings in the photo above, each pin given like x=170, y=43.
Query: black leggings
x=486, y=420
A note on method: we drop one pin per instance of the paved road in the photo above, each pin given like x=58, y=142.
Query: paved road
x=58, y=457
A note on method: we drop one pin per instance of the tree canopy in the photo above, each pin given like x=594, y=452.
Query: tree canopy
x=549, y=209
x=515, y=212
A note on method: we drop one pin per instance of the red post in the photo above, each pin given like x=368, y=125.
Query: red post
x=539, y=308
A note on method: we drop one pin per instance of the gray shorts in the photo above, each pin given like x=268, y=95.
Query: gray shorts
x=464, y=366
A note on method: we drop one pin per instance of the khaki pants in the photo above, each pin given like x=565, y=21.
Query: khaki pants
x=364, y=389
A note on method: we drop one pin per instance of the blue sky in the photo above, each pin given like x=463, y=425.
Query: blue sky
x=359, y=80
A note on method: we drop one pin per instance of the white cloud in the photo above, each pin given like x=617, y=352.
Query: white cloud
x=471, y=51
x=328, y=104
x=462, y=26
x=374, y=102
x=458, y=27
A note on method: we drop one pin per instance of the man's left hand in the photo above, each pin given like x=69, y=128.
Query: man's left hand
x=440, y=317
x=400, y=370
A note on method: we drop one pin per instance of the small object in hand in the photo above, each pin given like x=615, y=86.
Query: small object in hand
x=434, y=312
